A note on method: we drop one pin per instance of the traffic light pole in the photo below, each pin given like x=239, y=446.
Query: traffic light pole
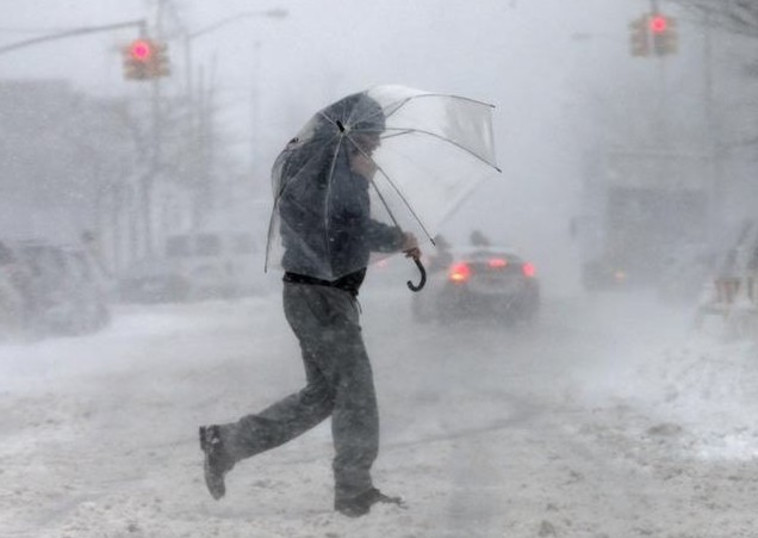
x=662, y=130
x=148, y=184
x=141, y=23
x=200, y=96
x=663, y=137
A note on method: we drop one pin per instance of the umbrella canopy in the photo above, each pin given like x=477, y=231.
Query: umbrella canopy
x=369, y=166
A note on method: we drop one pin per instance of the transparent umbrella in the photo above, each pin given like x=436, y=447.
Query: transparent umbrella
x=370, y=166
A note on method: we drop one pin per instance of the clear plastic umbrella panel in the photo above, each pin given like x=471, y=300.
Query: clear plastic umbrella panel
x=369, y=166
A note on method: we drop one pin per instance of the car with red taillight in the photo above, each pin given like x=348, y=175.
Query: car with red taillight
x=483, y=282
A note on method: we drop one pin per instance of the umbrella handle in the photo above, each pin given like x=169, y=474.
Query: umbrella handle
x=422, y=282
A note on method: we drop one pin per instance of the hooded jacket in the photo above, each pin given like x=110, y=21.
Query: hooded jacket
x=324, y=207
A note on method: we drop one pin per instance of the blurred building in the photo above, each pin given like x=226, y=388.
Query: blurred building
x=73, y=162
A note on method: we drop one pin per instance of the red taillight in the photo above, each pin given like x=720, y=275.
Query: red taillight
x=497, y=263
x=529, y=270
x=460, y=272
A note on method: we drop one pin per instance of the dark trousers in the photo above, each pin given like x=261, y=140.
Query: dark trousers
x=339, y=382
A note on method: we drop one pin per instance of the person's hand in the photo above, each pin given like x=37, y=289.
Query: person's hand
x=410, y=246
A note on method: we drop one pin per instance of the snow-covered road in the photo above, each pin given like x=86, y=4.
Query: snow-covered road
x=607, y=419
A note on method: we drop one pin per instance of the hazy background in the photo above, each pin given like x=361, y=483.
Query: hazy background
x=558, y=71
x=605, y=418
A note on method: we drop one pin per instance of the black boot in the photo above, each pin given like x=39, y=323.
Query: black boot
x=361, y=504
x=217, y=460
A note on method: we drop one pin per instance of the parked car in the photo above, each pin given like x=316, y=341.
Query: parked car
x=217, y=264
x=13, y=294
x=481, y=282
x=65, y=292
x=196, y=266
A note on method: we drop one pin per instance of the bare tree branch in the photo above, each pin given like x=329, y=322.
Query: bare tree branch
x=734, y=16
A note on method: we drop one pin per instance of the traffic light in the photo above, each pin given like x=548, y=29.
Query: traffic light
x=136, y=56
x=160, y=64
x=639, y=41
x=145, y=59
x=663, y=30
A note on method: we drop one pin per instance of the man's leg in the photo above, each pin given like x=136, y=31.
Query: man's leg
x=226, y=444
x=299, y=412
x=355, y=418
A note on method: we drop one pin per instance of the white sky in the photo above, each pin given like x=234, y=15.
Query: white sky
x=274, y=73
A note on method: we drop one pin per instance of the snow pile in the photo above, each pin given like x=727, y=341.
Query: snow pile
x=703, y=392
x=606, y=419
x=711, y=389
x=695, y=387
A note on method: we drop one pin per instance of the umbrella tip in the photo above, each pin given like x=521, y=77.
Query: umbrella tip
x=340, y=126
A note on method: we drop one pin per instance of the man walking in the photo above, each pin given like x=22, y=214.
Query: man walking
x=323, y=212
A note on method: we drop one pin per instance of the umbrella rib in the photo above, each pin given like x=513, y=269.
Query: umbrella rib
x=329, y=192
x=395, y=188
x=399, y=133
x=270, y=234
x=400, y=104
x=403, y=198
x=406, y=130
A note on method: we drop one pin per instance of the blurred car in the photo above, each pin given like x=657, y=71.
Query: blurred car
x=482, y=282
x=217, y=264
x=600, y=275
x=153, y=281
x=196, y=266
x=65, y=292
x=13, y=299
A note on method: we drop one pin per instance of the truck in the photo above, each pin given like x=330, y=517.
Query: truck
x=640, y=209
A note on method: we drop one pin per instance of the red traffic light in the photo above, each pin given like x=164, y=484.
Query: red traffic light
x=141, y=50
x=145, y=59
x=658, y=24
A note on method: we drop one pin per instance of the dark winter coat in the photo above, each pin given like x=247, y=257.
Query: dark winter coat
x=328, y=221
x=324, y=207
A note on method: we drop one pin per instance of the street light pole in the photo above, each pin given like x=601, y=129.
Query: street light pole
x=199, y=118
x=189, y=37
x=141, y=23
x=149, y=178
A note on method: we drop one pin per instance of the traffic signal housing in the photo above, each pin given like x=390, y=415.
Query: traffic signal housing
x=664, y=34
x=639, y=37
x=145, y=59
x=160, y=65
